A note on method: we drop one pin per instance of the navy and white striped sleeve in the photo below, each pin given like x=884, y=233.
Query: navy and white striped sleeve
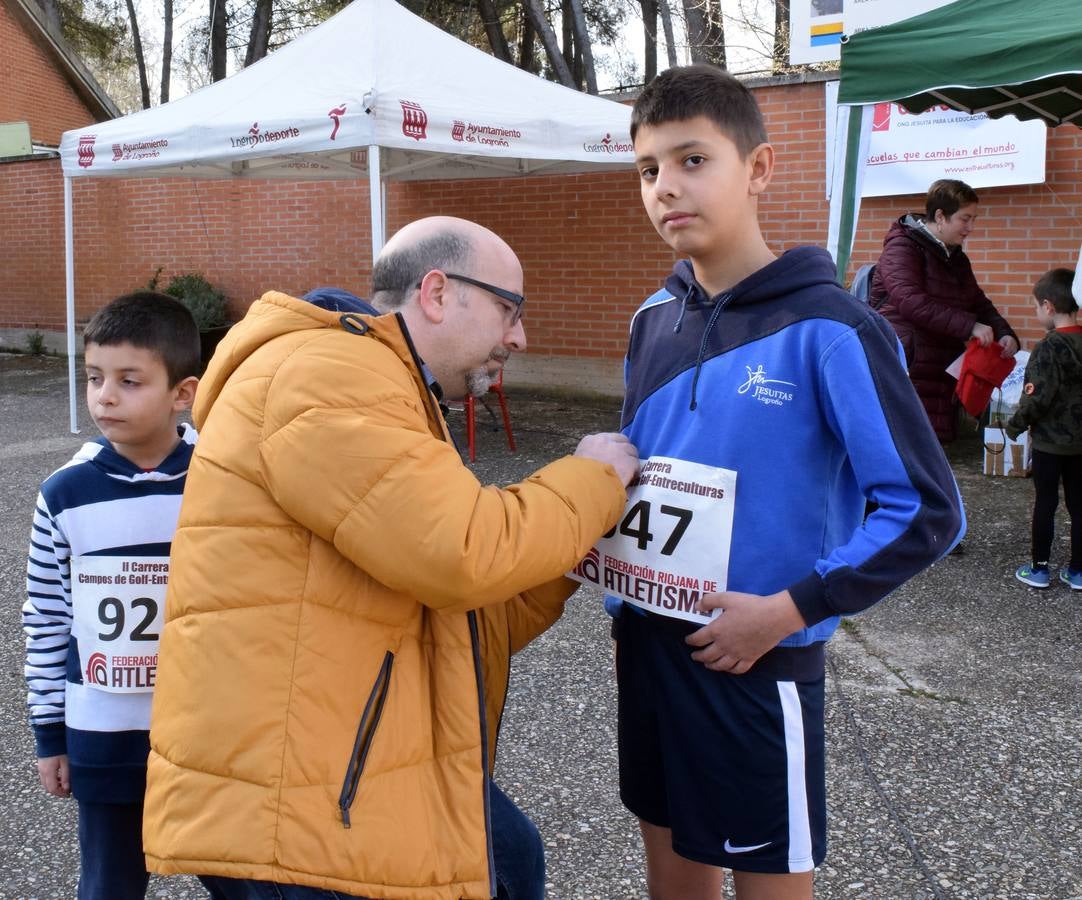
x=47, y=621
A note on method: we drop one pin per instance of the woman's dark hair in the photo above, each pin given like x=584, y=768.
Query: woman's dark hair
x=949, y=195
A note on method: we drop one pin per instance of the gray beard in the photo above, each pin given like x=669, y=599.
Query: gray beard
x=478, y=382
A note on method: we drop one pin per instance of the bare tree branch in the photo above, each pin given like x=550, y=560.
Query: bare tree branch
x=137, y=44
x=582, y=44
x=666, y=24
x=548, y=39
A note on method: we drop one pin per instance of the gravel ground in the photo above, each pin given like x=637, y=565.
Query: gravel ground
x=953, y=710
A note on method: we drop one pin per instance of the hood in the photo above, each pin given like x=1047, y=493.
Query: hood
x=911, y=227
x=794, y=270
x=101, y=453
x=272, y=316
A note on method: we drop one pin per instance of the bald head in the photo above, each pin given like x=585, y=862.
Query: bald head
x=437, y=242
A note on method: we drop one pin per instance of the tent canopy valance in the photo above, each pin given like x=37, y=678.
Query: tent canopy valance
x=373, y=75
x=1000, y=57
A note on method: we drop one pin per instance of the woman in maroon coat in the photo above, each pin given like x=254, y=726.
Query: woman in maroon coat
x=925, y=287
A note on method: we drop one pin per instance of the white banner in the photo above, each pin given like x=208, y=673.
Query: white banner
x=907, y=151
x=816, y=26
x=672, y=544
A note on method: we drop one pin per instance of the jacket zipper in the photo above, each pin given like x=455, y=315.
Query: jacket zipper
x=365, y=732
x=475, y=641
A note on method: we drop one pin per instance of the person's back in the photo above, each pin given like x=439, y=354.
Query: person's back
x=763, y=375
x=96, y=576
x=1051, y=408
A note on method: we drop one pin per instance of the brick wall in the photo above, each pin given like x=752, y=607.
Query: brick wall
x=589, y=252
x=32, y=88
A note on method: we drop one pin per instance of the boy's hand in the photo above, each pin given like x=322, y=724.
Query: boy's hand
x=53, y=772
x=748, y=627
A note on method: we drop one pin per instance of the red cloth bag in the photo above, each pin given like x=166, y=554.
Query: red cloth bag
x=983, y=370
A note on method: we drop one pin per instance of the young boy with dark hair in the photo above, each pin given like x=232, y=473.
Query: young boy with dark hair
x=778, y=405
x=96, y=577
x=1051, y=408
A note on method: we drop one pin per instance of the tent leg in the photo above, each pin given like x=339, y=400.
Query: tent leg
x=375, y=194
x=69, y=279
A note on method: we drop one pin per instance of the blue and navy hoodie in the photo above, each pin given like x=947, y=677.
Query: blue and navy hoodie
x=98, y=504
x=802, y=390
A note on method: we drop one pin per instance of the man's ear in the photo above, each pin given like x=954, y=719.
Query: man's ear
x=184, y=393
x=760, y=169
x=435, y=296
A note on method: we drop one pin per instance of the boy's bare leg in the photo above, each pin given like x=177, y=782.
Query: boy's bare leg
x=759, y=886
x=671, y=877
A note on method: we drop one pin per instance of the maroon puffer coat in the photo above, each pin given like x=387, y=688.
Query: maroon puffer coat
x=933, y=300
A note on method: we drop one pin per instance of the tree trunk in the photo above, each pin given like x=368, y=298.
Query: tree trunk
x=583, y=47
x=781, y=36
x=649, y=39
x=259, y=37
x=167, y=49
x=666, y=24
x=568, y=35
x=140, y=63
x=706, y=36
x=527, y=58
x=218, y=37
x=490, y=18
x=548, y=38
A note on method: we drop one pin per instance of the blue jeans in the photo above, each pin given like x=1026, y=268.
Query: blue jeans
x=517, y=851
x=111, y=863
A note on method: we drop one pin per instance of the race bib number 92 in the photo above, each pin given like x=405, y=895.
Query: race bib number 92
x=118, y=605
x=672, y=543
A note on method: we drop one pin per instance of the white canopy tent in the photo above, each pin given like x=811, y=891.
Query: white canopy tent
x=374, y=92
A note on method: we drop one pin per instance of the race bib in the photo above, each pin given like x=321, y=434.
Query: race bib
x=672, y=543
x=118, y=605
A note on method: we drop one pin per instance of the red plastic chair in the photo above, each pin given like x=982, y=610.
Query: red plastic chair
x=471, y=409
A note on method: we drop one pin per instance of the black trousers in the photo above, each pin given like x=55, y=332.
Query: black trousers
x=1049, y=469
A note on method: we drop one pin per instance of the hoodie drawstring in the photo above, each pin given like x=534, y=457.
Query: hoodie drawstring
x=721, y=303
x=683, y=308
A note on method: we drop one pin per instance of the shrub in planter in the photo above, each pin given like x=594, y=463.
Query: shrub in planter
x=207, y=304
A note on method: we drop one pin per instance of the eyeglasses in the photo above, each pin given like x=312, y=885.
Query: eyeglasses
x=516, y=300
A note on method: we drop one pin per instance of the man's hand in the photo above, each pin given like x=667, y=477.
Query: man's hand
x=1009, y=345
x=748, y=627
x=983, y=333
x=53, y=772
x=614, y=449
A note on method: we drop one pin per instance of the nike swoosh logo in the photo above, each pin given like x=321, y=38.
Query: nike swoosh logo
x=732, y=848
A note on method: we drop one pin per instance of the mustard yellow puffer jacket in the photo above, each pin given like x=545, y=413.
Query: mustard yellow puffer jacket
x=335, y=658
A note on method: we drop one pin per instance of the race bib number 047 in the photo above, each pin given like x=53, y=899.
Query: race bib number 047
x=672, y=543
x=118, y=605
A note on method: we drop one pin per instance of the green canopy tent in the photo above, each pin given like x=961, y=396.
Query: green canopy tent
x=1001, y=57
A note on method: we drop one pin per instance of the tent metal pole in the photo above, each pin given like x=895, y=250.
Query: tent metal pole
x=69, y=278
x=375, y=196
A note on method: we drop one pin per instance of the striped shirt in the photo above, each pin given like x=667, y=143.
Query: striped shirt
x=99, y=504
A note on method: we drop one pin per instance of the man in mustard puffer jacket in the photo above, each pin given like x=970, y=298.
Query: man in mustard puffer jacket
x=345, y=596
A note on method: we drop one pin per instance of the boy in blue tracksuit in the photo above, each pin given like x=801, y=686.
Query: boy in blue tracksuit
x=96, y=576
x=776, y=405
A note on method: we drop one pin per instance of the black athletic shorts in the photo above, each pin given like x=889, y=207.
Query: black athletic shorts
x=733, y=764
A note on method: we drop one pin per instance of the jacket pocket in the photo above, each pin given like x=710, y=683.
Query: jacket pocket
x=366, y=731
